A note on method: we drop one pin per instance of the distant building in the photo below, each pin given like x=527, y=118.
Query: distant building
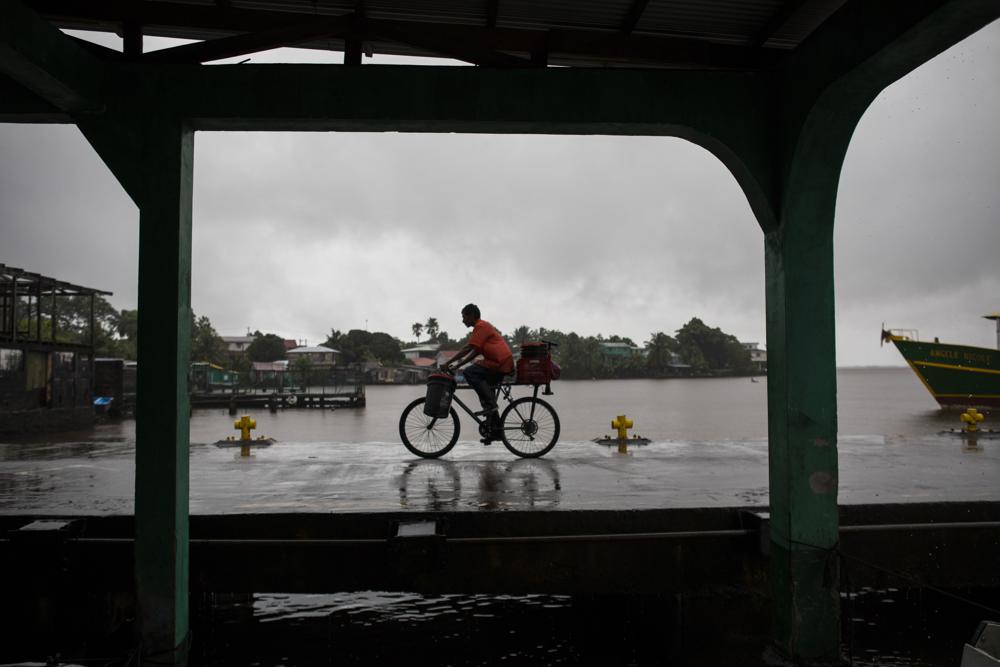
x=623, y=350
x=290, y=344
x=375, y=373
x=319, y=356
x=758, y=357
x=422, y=351
x=444, y=356
x=238, y=344
x=677, y=362
x=209, y=377
x=114, y=386
x=269, y=373
x=46, y=376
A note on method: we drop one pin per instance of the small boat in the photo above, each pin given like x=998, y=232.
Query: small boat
x=957, y=376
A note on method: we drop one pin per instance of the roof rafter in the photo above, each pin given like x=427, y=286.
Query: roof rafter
x=777, y=21
x=492, y=11
x=350, y=28
x=12, y=275
x=254, y=42
x=441, y=40
x=501, y=47
x=20, y=105
x=46, y=62
x=634, y=15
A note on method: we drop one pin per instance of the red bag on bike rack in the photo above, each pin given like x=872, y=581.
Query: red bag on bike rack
x=535, y=364
x=440, y=389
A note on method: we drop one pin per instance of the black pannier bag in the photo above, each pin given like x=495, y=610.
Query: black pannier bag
x=440, y=389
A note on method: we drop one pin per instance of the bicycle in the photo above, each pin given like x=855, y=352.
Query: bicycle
x=529, y=425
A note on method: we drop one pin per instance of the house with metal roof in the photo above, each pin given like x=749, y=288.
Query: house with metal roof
x=206, y=376
x=238, y=344
x=758, y=356
x=621, y=350
x=269, y=373
x=317, y=355
x=421, y=351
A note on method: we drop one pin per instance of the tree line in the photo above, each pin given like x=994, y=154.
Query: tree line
x=695, y=349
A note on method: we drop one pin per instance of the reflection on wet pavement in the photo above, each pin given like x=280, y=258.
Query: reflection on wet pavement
x=96, y=476
x=436, y=485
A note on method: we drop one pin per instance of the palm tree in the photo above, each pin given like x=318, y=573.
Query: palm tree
x=418, y=328
x=432, y=327
x=659, y=348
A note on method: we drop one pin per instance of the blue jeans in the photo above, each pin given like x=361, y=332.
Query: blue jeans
x=484, y=381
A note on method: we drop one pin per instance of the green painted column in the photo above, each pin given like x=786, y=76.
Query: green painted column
x=802, y=392
x=802, y=425
x=164, y=333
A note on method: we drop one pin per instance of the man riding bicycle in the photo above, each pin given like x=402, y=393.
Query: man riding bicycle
x=484, y=375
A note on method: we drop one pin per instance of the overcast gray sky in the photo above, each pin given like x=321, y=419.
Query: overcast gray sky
x=299, y=233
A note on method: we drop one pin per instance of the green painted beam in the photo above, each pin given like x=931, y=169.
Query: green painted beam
x=20, y=105
x=728, y=114
x=876, y=43
x=864, y=48
x=162, y=410
x=118, y=134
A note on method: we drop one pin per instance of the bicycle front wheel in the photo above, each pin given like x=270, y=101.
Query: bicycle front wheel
x=530, y=427
x=429, y=437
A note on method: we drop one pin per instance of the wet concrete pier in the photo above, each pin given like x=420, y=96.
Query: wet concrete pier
x=96, y=477
x=674, y=518
x=682, y=502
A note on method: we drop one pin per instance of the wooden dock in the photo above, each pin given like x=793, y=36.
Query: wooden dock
x=328, y=398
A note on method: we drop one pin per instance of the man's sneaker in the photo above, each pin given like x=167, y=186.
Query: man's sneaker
x=487, y=441
x=488, y=411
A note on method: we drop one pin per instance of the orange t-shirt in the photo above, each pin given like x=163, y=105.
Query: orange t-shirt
x=489, y=343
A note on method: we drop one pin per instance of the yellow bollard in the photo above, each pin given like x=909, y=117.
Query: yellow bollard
x=244, y=425
x=972, y=417
x=622, y=423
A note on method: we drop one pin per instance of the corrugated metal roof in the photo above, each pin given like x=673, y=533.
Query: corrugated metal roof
x=423, y=347
x=28, y=282
x=486, y=32
x=314, y=349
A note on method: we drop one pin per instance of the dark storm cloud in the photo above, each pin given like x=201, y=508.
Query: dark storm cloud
x=918, y=217
x=62, y=213
x=629, y=232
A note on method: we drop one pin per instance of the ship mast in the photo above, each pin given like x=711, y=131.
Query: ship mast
x=996, y=318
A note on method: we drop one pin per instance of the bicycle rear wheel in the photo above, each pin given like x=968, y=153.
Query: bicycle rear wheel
x=530, y=427
x=429, y=437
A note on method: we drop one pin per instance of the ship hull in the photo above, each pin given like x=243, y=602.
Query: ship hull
x=956, y=375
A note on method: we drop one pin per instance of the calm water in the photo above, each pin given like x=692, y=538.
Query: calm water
x=871, y=402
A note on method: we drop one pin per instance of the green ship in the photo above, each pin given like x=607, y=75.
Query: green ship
x=957, y=376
